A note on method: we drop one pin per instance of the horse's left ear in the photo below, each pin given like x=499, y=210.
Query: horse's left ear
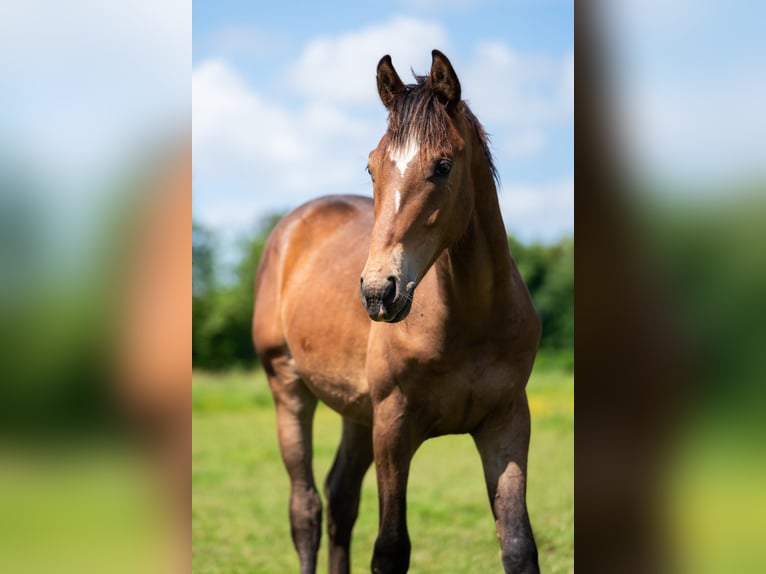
x=443, y=80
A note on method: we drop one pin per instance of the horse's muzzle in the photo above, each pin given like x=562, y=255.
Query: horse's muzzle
x=384, y=299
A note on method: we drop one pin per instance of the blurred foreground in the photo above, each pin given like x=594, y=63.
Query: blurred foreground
x=95, y=406
x=671, y=272
x=95, y=212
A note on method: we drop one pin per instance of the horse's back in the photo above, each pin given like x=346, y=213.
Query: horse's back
x=307, y=307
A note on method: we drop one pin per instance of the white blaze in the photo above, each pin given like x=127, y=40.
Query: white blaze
x=397, y=201
x=403, y=156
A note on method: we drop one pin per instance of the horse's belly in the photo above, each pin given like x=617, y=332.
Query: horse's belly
x=331, y=363
x=349, y=398
x=329, y=353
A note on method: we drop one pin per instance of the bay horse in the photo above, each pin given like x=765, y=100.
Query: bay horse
x=443, y=342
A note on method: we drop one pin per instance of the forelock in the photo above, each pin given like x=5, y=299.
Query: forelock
x=417, y=115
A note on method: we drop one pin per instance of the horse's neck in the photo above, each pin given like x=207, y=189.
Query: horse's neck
x=477, y=270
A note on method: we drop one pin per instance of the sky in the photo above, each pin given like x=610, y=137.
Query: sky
x=688, y=83
x=89, y=92
x=285, y=106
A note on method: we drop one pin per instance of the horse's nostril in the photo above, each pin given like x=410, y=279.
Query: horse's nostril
x=390, y=292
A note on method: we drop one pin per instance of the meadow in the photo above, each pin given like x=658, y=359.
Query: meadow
x=240, y=488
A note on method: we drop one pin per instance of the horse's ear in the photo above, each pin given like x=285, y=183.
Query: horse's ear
x=390, y=84
x=443, y=80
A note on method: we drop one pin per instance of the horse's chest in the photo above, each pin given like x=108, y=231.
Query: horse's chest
x=454, y=397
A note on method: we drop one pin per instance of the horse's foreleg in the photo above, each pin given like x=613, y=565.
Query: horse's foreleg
x=503, y=443
x=295, y=412
x=395, y=440
x=342, y=492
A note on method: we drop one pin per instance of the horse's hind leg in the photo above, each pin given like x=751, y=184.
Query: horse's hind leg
x=342, y=492
x=503, y=443
x=295, y=406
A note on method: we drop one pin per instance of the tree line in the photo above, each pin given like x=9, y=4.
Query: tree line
x=222, y=303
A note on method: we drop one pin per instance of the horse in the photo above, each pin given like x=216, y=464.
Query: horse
x=443, y=342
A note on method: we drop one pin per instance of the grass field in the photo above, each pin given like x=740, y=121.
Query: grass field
x=240, y=488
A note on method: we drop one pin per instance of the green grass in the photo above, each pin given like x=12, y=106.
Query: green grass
x=240, y=488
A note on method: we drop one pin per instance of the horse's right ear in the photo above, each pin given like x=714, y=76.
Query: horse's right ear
x=390, y=84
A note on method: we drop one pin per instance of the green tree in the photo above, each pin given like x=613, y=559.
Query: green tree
x=203, y=260
x=222, y=321
x=548, y=271
x=222, y=310
x=203, y=289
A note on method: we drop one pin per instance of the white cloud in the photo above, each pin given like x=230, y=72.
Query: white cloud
x=689, y=90
x=234, y=126
x=539, y=211
x=239, y=132
x=85, y=81
x=342, y=69
x=704, y=132
x=520, y=144
x=254, y=155
x=89, y=89
x=519, y=89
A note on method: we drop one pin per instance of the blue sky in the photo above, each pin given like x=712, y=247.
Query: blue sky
x=285, y=107
x=89, y=89
x=689, y=85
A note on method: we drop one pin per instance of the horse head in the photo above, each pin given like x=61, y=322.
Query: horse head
x=422, y=184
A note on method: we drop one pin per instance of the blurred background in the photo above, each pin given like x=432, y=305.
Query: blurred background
x=95, y=329
x=95, y=332
x=670, y=339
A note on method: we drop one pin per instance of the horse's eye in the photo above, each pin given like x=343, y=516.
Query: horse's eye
x=442, y=167
x=370, y=172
